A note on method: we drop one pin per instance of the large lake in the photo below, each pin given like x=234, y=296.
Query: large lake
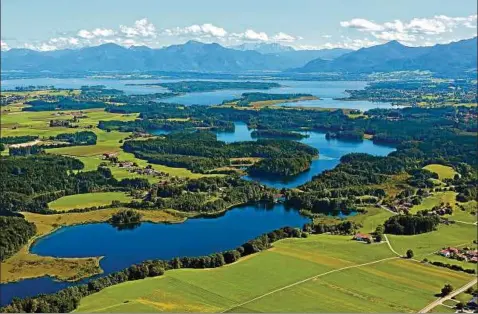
x=325, y=90
x=330, y=152
x=122, y=248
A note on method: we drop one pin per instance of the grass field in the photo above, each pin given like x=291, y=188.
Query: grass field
x=426, y=244
x=444, y=172
x=88, y=200
x=24, y=264
x=435, y=200
x=259, y=282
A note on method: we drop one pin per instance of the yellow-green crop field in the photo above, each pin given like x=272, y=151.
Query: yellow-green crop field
x=322, y=273
x=88, y=200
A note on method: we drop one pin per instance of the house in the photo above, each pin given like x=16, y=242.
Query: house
x=453, y=250
x=445, y=253
x=125, y=164
x=109, y=155
x=279, y=198
x=362, y=237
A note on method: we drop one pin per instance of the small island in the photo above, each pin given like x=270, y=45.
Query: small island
x=127, y=217
x=259, y=100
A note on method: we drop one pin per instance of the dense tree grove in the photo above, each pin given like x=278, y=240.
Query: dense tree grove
x=14, y=233
x=78, y=138
x=17, y=139
x=207, y=195
x=343, y=228
x=63, y=103
x=200, y=151
x=281, y=166
x=67, y=300
x=29, y=183
x=124, y=217
x=26, y=150
x=411, y=224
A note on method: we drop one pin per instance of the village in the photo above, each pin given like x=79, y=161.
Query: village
x=465, y=254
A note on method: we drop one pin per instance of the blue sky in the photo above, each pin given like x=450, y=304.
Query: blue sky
x=303, y=24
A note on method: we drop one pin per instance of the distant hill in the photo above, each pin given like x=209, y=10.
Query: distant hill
x=195, y=56
x=263, y=48
x=449, y=59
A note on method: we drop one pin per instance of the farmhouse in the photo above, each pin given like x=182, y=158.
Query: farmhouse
x=362, y=237
x=109, y=155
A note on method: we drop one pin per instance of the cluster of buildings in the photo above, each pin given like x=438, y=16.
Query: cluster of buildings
x=465, y=254
x=132, y=166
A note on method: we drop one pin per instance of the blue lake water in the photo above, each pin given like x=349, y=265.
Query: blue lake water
x=330, y=152
x=325, y=90
x=194, y=237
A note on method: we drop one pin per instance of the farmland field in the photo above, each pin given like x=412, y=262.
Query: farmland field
x=444, y=172
x=87, y=200
x=257, y=283
x=428, y=243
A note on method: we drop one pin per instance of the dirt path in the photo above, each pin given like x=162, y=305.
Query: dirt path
x=305, y=280
x=430, y=306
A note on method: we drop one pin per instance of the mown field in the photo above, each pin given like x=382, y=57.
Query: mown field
x=444, y=172
x=297, y=275
x=426, y=244
x=88, y=200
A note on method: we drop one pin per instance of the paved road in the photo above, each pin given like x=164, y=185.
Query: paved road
x=430, y=306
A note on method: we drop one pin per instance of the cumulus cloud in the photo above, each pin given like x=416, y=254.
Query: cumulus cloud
x=410, y=31
x=143, y=32
x=141, y=28
x=204, y=30
x=97, y=32
x=283, y=37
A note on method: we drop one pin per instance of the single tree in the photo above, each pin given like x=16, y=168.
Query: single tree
x=446, y=290
x=409, y=253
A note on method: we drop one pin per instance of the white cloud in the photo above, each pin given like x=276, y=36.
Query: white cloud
x=283, y=37
x=362, y=25
x=251, y=35
x=4, y=46
x=141, y=28
x=412, y=30
x=204, y=30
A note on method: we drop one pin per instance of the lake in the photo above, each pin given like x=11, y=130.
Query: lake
x=121, y=249
x=325, y=90
x=330, y=152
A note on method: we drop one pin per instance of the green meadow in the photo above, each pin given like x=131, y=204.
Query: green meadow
x=444, y=172
x=88, y=200
x=426, y=244
x=320, y=273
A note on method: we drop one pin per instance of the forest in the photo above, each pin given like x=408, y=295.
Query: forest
x=14, y=233
x=200, y=151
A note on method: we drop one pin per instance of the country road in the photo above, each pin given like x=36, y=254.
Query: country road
x=430, y=306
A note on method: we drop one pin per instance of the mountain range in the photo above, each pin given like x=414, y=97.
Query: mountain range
x=447, y=59
x=195, y=56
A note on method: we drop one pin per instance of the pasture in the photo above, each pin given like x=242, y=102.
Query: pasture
x=88, y=200
x=426, y=244
x=320, y=273
x=444, y=172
